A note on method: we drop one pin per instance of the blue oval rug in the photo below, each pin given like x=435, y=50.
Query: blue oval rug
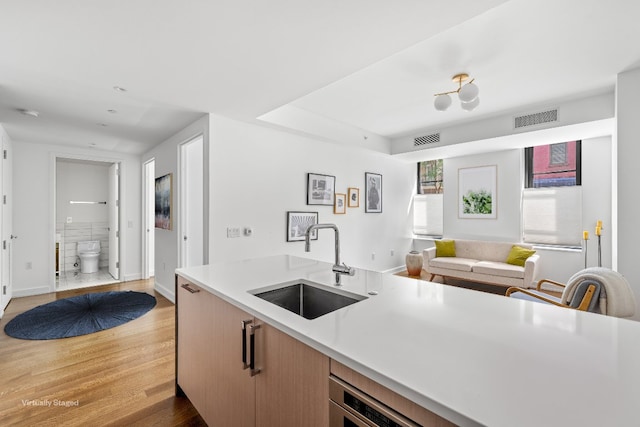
x=79, y=315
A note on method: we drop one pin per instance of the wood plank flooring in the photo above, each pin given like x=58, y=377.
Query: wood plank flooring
x=122, y=376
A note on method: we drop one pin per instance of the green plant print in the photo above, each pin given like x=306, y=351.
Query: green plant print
x=477, y=202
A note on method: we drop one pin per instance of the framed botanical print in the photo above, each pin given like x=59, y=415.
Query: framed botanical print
x=477, y=195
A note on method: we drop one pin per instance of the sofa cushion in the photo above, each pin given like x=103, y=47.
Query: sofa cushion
x=445, y=248
x=518, y=255
x=486, y=250
x=498, y=269
x=453, y=263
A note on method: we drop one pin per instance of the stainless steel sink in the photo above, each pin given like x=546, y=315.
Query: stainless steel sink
x=307, y=299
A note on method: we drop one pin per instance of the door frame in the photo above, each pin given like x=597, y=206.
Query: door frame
x=53, y=174
x=205, y=196
x=147, y=192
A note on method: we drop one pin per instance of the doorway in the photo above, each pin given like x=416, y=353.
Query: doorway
x=148, y=238
x=191, y=196
x=6, y=225
x=87, y=212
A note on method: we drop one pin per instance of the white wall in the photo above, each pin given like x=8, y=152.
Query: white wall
x=554, y=264
x=627, y=233
x=166, y=241
x=506, y=227
x=258, y=174
x=82, y=182
x=34, y=203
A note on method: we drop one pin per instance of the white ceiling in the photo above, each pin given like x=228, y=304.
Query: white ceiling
x=368, y=64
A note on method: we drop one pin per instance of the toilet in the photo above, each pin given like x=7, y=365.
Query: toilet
x=89, y=252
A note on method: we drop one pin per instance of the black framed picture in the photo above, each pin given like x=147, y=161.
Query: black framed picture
x=320, y=189
x=164, y=202
x=297, y=224
x=372, y=192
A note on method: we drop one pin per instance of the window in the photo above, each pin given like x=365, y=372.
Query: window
x=428, y=203
x=552, y=197
x=553, y=165
x=430, y=177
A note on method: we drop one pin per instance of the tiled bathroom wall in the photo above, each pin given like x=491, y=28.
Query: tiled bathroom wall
x=69, y=234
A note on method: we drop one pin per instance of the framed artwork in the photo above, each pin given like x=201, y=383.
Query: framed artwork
x=320, y=189
x=477, y=195
x=297, y=224
x=340, y=206
x=373, y=192
x=164, y=202
x=353, y=197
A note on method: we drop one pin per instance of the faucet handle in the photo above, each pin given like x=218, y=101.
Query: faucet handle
x=344, y=269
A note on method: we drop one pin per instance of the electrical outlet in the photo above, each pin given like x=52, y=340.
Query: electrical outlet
x=233, y=232
x=393, y=252
x=373, y=256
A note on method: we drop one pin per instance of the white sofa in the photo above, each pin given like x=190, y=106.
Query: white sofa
x=484, y=262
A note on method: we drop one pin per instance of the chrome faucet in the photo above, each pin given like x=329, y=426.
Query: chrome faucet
x=337, y=268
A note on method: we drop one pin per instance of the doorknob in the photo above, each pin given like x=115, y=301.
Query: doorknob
x=14, y=237
x=185, y=238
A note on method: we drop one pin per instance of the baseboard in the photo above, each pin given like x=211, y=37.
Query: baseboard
x=395, y=269
x=166, y=292
x=131, y=277
x=17, y=293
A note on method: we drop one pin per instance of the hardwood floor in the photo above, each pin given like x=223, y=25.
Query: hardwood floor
x=122, y=376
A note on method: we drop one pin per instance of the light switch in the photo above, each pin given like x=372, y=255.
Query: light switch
x=233, y=232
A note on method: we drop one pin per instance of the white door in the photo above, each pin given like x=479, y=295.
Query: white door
x=149, y=215
x=6, y=271
x=114, y=223
x=192, y=203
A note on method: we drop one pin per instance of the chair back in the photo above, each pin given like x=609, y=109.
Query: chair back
x=616, y=297
x=586, y=296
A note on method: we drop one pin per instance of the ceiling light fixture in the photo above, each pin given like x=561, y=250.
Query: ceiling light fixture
x=468, y=94
x=26, y=112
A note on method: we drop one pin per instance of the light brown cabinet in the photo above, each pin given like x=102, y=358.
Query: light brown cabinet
x=289, y=383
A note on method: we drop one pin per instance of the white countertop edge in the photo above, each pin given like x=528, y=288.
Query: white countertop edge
x=408, y=393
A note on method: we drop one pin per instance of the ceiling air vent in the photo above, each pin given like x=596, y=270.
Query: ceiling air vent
x=536, y=118
x=427, y=139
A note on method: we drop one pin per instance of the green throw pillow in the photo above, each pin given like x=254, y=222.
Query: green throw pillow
x=518, y=255
x=445, y=248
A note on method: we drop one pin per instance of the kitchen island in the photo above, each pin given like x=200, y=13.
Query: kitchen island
x=470, y=357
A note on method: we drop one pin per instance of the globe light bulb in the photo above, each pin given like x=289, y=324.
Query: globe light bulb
x=470, y=106
x=468, y=92
x=442, y=102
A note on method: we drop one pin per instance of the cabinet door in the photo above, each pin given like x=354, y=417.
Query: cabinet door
x=292, y=387
x=194, y=323
x=230, y=388
x=210, y=368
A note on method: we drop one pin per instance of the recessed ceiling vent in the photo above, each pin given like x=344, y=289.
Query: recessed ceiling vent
x=427, y=139
x=536, y=118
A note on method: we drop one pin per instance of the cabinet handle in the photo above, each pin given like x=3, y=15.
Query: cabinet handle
x=190, y=289
x=244, y=343
x=252, y=350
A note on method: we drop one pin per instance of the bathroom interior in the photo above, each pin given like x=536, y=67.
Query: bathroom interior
x=86, y=223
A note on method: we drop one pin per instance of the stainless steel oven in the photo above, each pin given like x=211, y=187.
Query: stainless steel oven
x=349, y=407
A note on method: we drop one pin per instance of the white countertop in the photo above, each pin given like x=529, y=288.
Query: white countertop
x=471, y=357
